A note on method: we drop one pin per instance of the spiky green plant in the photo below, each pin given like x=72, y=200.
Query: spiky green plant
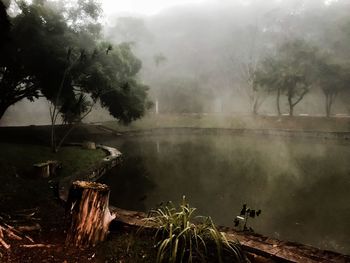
x=183, y=237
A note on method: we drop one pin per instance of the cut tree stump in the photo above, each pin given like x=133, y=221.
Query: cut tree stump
x=54, y=166
x=48, y=168
x=89, y=145
x=42, y=169
x=89, y=213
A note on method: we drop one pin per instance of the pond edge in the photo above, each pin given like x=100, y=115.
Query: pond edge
x=274, y=249
x=92, y=173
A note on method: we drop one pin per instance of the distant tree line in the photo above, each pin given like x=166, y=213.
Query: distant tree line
x=311, y=52
x=261, y=55
x=295, y=69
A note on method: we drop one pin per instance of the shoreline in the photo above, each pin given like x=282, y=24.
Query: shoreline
x=271, y=248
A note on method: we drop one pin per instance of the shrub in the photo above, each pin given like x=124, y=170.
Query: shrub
x=183, y=237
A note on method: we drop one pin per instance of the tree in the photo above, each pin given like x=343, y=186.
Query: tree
x=332, y=79
x=4, y=24
x=107, y=75
x=72, y=68
x=267, y=78
x=35, y=31
x=248, y=73
x=290, y=72
x=297, y=71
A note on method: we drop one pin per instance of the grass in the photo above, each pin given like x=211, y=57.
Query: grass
x=18, y=158
x=183, y=237
x=306, y=123
x=20, y=189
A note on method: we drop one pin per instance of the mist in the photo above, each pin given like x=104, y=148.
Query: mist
x=240, y=106
x=195, y=56
x=202, y=50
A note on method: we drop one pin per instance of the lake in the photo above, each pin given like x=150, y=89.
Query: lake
x=301, y=186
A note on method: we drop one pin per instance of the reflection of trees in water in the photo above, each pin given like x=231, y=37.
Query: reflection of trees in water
x=301, y=186
x=315, y=205
x=130, y=184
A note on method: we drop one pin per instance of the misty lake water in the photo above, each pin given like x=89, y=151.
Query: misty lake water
x=301, y=186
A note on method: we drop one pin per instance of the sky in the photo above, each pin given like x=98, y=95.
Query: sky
x=141, y=7
x=150, y=7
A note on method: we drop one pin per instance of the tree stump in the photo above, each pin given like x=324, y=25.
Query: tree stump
x=89, y=145
x=42, y=169
x=54, y=166
x=90, y=216
x=46, y=169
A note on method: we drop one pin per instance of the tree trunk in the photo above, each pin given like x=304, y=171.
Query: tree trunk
x=329, y=102
x=2, y=110
x=278, y=101
x=90, y=216
x=53, y=139
x=42, y=170
x=327, y=105
x=291, y=110
x=291, y=105
x=255, y=105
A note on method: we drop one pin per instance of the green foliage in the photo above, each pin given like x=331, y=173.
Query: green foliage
x=332, y=78
x=4, y=24
x=244, y=216
x=180, y=239
x=54, y=52
x=290, y=72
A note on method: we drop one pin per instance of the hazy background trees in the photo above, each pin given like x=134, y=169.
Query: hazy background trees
x=205, y=57
x=220, y=45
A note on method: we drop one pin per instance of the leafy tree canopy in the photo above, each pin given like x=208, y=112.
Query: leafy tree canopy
x=57, y=52
x=291, y=71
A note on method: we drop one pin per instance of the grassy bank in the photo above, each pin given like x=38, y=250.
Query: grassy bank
x=19, y=158
x=20, y=188
x=304, y=123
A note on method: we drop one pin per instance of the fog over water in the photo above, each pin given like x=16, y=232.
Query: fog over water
x=300, y=185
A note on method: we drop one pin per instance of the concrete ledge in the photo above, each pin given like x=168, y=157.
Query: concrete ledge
x=273, y=250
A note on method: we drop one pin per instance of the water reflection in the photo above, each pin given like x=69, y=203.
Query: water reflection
x=302, y=187
x=130, y=184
